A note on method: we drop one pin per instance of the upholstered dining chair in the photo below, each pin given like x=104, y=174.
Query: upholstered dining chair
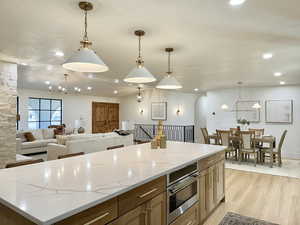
x=205, y=135
x=257, y=132
x=23, y=163
x=233, y=131
x=246, y=146
x=224, y=140
x=276, y=152
x=70, y=155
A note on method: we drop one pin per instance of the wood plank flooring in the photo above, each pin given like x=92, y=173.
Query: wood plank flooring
x=272, y=198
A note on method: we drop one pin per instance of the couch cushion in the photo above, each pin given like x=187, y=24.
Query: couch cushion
x=38, y=134
x=37, y=143
x=48, y=133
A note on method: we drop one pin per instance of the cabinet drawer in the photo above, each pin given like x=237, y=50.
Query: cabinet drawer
x=139, y=195
x=190, y=217
x=98, y=215
x=210, y=161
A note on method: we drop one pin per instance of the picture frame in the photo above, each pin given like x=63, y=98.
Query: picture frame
x=279, y=111
x=244, y=110
x=159, y=110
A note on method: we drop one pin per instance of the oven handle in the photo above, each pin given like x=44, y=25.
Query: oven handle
x=189, y=180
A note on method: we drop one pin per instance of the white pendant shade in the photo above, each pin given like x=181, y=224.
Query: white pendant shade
x=86, y=61
x=169, y=82
x=139, y=75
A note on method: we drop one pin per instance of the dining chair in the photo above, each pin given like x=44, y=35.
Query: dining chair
x=276, y=152
x=70, y=155
x=247, y=148
x=258, y=132
x=233, y=131
x=114, y=147
x=224, y=140
x=23, y=163
x=205, y=135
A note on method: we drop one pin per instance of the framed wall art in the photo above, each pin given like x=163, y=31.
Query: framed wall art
x=279, y=111
x=245, y=110
x=159, y=111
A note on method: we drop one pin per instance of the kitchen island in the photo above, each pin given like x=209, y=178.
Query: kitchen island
x=100, y=188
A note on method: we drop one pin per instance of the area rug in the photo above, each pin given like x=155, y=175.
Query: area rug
x=236, y=219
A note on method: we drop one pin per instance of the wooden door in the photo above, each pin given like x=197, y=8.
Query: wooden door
x=105, y=117
x=203, y=190
x=136, y=216
x=156, y=210
x=190, y=217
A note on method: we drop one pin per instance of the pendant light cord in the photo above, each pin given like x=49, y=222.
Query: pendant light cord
x=169, y=63
x=85, y=38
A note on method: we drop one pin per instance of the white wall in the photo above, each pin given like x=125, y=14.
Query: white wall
x=130, y=108
x=225, y=120
x=74, y=106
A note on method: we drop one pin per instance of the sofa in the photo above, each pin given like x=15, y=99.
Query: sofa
x=86, y=143
x=42, y=138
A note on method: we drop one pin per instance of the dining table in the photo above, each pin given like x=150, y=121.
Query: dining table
x=259, y=140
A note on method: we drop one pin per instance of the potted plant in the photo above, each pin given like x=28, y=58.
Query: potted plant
x=243, y=122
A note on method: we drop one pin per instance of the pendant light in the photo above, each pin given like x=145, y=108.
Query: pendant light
x=85, y=59
x=169, y=81
x=139, y=96
x=139, y=74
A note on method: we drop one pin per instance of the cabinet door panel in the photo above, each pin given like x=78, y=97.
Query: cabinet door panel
x=156, y=209
x=203, y=198
x=136, y=216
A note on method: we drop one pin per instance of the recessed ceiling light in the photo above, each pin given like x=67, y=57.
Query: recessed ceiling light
x=236, y=2
x=267, y=55
x=196, y=89
x=59, y=53
x=116, y=81
x=116, y=92
x=277, y=74
x=91, y=76
x=282, y=83
x=47, y=82
x=89, y=88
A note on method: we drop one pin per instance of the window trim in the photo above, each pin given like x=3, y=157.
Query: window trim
x=39, y=110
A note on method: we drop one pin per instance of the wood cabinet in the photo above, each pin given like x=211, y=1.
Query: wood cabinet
x=156, y=210
x=190, y=217
x=152, y=212
x=105, y=117
x=97, y=215
x=211, y=184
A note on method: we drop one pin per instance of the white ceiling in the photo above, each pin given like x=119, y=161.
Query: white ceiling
x=216, y=45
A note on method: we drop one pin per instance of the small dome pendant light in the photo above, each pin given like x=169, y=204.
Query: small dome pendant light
x=139, y=74
x=169, y=82
x=85, y=59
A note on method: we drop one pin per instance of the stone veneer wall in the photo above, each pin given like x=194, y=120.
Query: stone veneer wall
x=8, y=91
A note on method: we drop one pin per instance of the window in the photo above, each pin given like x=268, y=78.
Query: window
x=43, y=112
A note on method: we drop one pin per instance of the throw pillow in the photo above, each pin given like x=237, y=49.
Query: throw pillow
x=29, y=136
x=21, y=136
x=48, y=133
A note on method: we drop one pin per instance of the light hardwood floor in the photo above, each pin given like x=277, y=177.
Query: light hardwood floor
x=272, y=198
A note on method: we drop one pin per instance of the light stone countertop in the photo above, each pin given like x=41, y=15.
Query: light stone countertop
x=49, y=192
